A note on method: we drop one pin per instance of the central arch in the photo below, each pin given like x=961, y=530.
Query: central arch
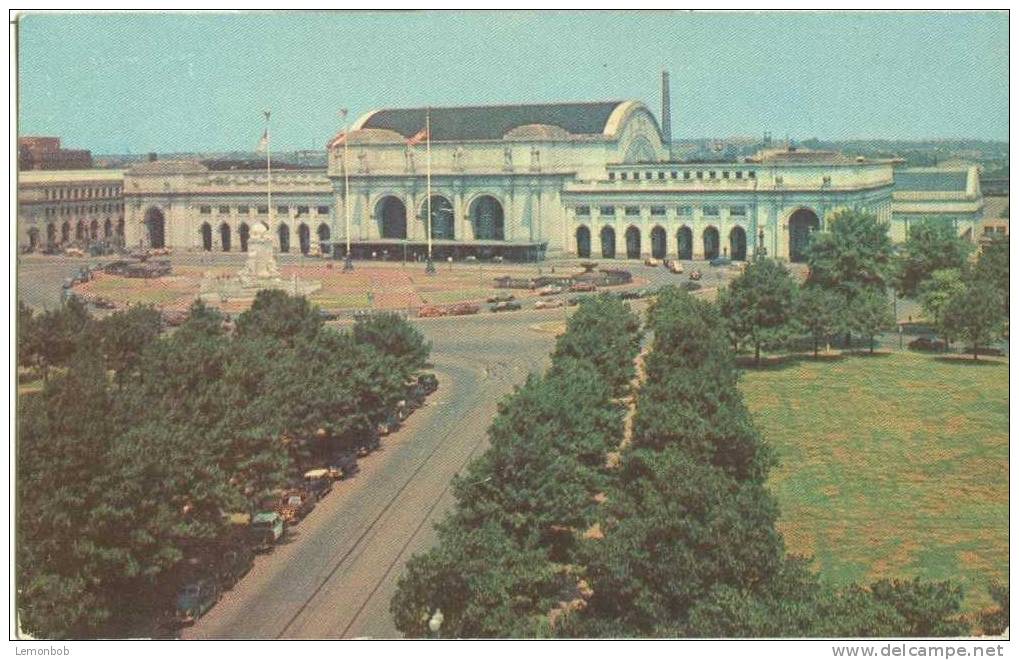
x=155, y=226
x=738, y=244
x=487, y=219
x=632, y=237
x=608, y=242
x=206, y=232
x=304, y=238
x=51, y=234
x=442, y=217
x=583, y=242
x=107, y=229
x=242, y=234
x=224, y=237
x=684, y=243
x=658, y=247
x=391, y=217
x=65, y=232
x=802, y=223
x=323, y=237
x=710, y=243
x=284, y=235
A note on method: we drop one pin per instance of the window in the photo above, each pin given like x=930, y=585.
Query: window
x=675, y=175
x=632, y=210
x=607, y=210
x=224, y=209
x=739, y=175
x=647, y=175
x=623, y=176
x=612, y=176
x=686, y=176
x=686, y=210
x=661, y=175
x=700, y=175
x=263, y=210
x=737, y=210
x=323, y=210
x=826, y=181
x=725, y=174
x=243, y=210
x=302, y=210
x=710, y=211
x=657, y=210
x=283, y=210
x=583, y=210
x=752, y=174
x=778, y=181
x=711, y=174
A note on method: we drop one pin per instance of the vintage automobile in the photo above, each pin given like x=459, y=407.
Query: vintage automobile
x=266, y=529
x=319, y=481
x=695, y=275
x=369, y=443
x=463, y=309
x=550, y=290
x=674, y=266
x=235, y=562
x=507, y=306
x=650, y=261
x=549, y=304
x=431, y=311
x=928, y=344
x=500, y=297
x=195, y=599
x=583, y=287
x=344, y=464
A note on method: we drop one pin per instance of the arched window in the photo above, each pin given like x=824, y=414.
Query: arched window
x=304, y=238
x=802, y=223
x=710, y=243
x=632, y=243
x=487, y=219
x=155, y=225
x=224, y=237
x=583, y=242
x=442, y=217
x=391, y=217
x=243, y=231
x=284, y=236
x=738, y=244
x=608, y=242
x=658, y=243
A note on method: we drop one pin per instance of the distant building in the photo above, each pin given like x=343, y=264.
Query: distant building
x=45, y=153
x=64, y=208
x=951, y=195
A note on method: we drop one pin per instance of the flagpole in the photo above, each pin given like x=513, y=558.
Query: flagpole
x=268, y=168
x=348, y=263
x=429, y=267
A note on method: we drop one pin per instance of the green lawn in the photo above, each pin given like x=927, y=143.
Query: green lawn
x=891, y=465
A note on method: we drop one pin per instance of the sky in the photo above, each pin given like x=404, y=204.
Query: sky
x=133, y=83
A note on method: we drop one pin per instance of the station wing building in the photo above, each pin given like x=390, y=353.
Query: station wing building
x=592, y=180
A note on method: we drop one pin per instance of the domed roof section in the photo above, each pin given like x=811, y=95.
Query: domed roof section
x=492, y=122
x=165, y=167
x=537, y=132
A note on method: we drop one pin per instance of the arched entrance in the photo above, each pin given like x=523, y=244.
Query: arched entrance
x=284, y=235
x=65, y=232
x=684, y=243
x=608, y=242
x=658, y=247
x=155, y=225
x=33, y=238
x=304, y=238
x=738, y=244
x=107, y=229
x=801, y=224
x=487, y=219
x=242, y=235
x=79, y=231
x=206, y=232
x=224, y=237
x=583, y=242
x=93, y=230
x=120, y=228
x=323, y=237
x=391, y=216
x=632, y=237
x=51, y=234
x=442, y=217
x=710, y=243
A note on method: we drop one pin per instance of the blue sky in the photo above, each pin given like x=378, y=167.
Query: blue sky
x=186, y=82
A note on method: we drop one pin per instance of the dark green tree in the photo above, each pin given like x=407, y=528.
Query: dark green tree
x=855, y=253
x=992, y=267
x=973, y=315
x=758, y=305
x=391, y=334
x=932, y=245
x=817, y=312
x=869, y=314
x=123, y=336
x=276, y=314
x=995, y=621
x=606, y=333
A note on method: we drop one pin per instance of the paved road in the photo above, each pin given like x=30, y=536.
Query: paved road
x=335, y=575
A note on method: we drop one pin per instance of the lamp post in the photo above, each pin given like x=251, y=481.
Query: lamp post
x=435, y=623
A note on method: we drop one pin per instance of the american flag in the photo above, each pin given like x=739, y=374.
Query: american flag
x=418, y=137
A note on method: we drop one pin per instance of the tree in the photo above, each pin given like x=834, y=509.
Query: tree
x=973, y=314
x=992, y=267
x=817, y=312
x=936, y=292
x=275, y=313
x=870, y=314
x=932, y=245
x=758, y=305
x=123, y=336
x=392, y=335
x=27, y=329
x=604, y=332
x=995, y=621
x=855, y=253
x=58, y=333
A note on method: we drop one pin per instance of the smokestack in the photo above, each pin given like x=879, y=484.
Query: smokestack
x=666, y=112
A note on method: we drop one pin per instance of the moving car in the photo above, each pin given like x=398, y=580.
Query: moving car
x=195, y=599
x=505, y=306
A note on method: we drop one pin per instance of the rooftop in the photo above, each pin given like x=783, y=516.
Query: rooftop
x=61, y=176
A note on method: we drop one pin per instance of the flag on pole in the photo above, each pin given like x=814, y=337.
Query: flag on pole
x=418, y=137
x=263, y=144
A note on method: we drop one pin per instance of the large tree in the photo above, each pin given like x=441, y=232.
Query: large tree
x=391, y=334
x=937, y=291
x=869, y=314
x=817, y=312
x=855, y=253
x=992, y=267
x=758, y=304
x=973, y=315
x=932, y=245
x=605, y=332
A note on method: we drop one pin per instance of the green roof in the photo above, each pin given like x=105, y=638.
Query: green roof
x=931, y=180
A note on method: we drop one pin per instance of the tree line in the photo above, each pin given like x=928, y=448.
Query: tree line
x=852, y=266
x=140, y=441
x=677, y=538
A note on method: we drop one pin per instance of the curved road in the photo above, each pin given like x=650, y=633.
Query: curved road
x=336, y=572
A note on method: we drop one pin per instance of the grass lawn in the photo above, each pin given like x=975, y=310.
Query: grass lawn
x=891, y=465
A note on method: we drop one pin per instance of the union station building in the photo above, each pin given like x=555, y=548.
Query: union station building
x=523, y=182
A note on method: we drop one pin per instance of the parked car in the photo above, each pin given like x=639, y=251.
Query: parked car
x=695, y=275
x=720, y=261
x=674, y=266
x=652, y=262
x=235, y=563
x=578, y=287
x=429, y=382
x=319, y=482
x=550, y=290
x=463, y=309
x=295, y=504
x=430, y=311
x=344, y=463
x=368, y=444
x=195, y=599
x=500, y=297
x=548, y=304
x=928, y=344
x=508, y=306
